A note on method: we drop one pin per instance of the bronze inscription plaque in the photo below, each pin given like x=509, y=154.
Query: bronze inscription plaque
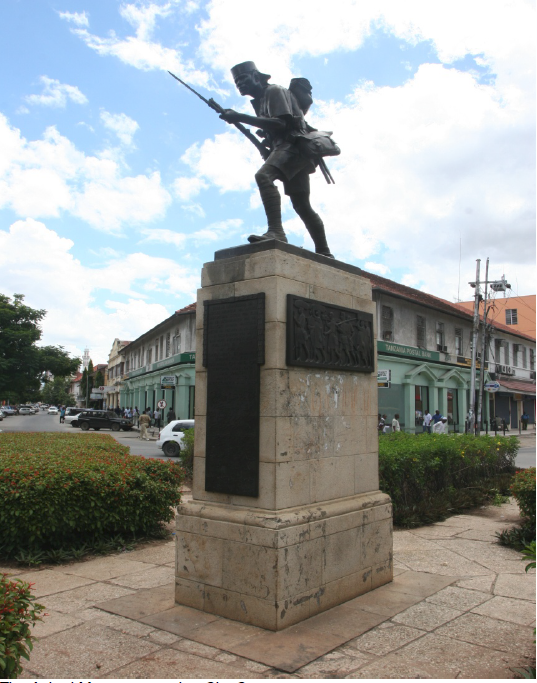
x=233, y=350
x=321, y=335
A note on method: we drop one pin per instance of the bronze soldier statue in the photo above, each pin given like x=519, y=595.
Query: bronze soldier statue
x=280, y=116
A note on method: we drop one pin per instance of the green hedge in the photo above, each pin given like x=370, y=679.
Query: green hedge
x=430, y=476
x=64, y=490
x=523, y=489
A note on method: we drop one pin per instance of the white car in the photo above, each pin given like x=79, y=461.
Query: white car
x=25, y=410
x=53, y=410
x=71, y=416
x=8, y=410
x=170, y=439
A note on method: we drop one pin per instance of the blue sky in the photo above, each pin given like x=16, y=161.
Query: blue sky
x=117, y=184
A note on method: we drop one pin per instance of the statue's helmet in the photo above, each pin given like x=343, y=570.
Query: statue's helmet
x=247, y=67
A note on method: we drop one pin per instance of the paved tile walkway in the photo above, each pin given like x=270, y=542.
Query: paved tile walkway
x=460, y=606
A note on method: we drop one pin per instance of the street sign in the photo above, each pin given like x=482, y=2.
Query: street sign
x=162, y=404
x=492, y=387
x=168, y=381
x=384, y=379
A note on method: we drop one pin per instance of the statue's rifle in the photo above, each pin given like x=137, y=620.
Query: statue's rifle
x=264, y=151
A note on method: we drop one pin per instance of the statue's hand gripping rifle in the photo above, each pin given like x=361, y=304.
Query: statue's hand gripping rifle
x=263, y=150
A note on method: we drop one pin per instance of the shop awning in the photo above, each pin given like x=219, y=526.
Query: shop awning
x=514, y=386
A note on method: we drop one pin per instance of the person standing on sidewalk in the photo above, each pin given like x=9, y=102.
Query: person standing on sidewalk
x=62, y=414
x=427, y=421
x=145, y=422
x=156, y=415
x=525, y=419
x=170, y=415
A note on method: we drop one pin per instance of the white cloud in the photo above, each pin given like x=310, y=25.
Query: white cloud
x=228, y=161
x=121, y=124
x=42, y=178
x=379, y=268
x=187, y=188
x=211, y=233
x=56, y=94
x=38, y=262
x=78, y=18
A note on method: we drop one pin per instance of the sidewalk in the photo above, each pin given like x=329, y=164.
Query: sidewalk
x=460, y=606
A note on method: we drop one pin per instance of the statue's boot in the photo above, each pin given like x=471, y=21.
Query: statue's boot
x=315, y=228
x=272, y=234
x=272, y=204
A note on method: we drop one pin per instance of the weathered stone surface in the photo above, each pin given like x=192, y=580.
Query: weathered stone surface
x=319, y=532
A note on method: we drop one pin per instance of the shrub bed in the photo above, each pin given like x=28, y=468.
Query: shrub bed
x=430, y=476
x=523, y=489
x=63, y=490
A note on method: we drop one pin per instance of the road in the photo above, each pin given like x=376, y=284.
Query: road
x=43, y=422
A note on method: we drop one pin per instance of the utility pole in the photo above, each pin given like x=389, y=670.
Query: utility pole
x=498, y=286
x=483, y=347
x=475, y=331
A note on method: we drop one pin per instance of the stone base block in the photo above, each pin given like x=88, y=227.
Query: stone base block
x=273, y=569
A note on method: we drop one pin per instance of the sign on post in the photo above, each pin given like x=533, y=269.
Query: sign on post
x=162, y=404
x=492, y=387
x=384, y=378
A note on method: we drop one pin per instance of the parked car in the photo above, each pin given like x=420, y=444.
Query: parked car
x=25, y=410
x=170, y=439
x=71, y=416
x=102, y=419
x=53, y=410
x=8, y=410
x=35, y=409
x=44, y=406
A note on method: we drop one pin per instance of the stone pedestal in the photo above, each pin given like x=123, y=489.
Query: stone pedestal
x=319, y=532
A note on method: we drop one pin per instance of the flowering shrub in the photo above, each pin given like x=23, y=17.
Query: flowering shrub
x=523, y=489
x=18, y=613
x=59, y=490
x=427, y=476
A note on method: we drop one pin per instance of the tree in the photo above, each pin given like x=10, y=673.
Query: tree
x=56, y=392
x=22, y=362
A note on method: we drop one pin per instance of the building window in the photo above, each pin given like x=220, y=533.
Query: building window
x=162, y=346
x=176, y=342
x=421, y=332
x=149, y=357
x=516, y=350
x=506, y=351
x=387, y=323
x=458, y=341
x=511, y=317
x=498, y=351
x=524, y=357
x=422, y=403
x=156, y=351
x=532, y=359
x=168, y=345
x=440, y=346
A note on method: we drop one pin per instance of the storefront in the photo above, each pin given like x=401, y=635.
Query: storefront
x=514, y=398
x=171, y=379
x=420, y=381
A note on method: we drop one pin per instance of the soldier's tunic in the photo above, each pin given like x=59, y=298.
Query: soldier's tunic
x=280, y=102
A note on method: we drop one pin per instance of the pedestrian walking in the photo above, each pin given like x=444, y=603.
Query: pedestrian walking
x=62, y=414
x=117, y=411
x=156, y=416
x=171, y=415
x=427, y=421
x=135, y=416
x=525, y=419
x=437, y=417
x=396, y=427
x=145, y=422
x=441, y=427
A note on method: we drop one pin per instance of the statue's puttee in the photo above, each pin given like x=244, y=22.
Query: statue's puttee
x=293, y=149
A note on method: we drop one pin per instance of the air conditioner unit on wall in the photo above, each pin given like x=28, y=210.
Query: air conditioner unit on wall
x=532, y=374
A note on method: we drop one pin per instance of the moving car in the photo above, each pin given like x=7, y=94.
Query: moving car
x=44, y=406
x=71, y=416
x=170, y=439
x=53, y=410
x=25, y=410
x=102, y=419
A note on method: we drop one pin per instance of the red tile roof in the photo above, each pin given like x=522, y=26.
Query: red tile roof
x=385, y=285
x=187, y=309
x=518, y=386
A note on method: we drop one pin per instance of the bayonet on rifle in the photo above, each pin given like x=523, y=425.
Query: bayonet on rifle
x=264, y=151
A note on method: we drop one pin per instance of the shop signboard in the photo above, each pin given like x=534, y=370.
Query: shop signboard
x=168, y=381
x=492, y=387
x=467, y=362
x=384, y=379
x=408, y=351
